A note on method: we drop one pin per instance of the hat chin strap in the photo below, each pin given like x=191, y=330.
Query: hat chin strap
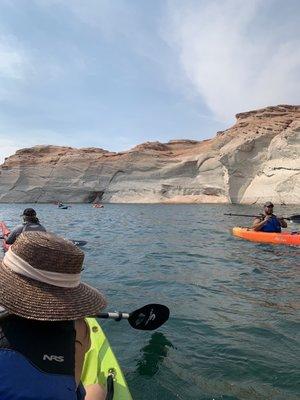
x=16, y=264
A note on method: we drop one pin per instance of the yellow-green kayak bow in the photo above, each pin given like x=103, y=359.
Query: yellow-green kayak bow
x=100, y=362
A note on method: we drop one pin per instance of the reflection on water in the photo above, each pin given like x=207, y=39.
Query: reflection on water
x=153, y=354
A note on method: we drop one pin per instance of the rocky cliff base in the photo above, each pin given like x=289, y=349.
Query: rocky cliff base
x=258, y=159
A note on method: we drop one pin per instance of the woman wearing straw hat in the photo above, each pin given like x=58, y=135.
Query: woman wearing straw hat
x=43, y=338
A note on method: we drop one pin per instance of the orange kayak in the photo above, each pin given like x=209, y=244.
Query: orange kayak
x=289, y=238
x=4, y=231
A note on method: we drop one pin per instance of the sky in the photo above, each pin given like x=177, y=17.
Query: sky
x=117, y=73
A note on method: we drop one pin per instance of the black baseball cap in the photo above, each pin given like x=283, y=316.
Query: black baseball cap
x=268, y=204
x=28, y=212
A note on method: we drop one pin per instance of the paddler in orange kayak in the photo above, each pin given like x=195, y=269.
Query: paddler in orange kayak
x=269, y=222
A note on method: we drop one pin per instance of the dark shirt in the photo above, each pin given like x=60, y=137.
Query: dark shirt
x=29, y=226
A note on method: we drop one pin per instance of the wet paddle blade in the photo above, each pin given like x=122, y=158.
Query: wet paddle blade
x=79, y=243
x=149, y=317
x=295, y=219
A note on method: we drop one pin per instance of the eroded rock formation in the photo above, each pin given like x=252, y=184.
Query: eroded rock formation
x=257, y=159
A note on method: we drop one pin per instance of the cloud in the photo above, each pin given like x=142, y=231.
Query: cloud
x=7, y=147
x=235, y=59
x=30, y=137
x=13, y=60
x=16, y=68
x=111, y=18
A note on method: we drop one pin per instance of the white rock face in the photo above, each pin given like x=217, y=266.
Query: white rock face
x=258, y=159
x=279, y=177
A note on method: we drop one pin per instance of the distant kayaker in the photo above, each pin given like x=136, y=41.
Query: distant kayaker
x=30, y=223
x=269, y=222
x=98, y=205
x=63, y=206
x=43, y=334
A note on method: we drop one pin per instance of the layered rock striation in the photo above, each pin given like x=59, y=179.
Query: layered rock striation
x=258, y=159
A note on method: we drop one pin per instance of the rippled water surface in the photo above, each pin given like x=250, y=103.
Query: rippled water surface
x=234, y=326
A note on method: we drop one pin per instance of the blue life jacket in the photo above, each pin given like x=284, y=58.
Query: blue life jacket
x=272, y=225
x=37, y=360
x=20, y=379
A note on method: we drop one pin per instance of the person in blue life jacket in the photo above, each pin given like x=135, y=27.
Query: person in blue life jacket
x=30, y=223
x=43, y=333
x=269, y=222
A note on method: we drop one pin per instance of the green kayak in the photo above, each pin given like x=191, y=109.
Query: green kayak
x=100, y=362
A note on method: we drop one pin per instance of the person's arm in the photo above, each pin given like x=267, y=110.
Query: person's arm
x=42, y=228
x=282, y=222
x=82, y=344
x=258, y=223
x=95, y=392
x=11, y=238
x=92, y=392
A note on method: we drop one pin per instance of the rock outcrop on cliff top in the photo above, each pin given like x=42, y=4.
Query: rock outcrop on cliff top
x=257, y=159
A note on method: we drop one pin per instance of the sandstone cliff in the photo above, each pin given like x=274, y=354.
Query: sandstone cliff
x=257, y=159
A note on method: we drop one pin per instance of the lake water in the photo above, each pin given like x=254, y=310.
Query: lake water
x=234, y=326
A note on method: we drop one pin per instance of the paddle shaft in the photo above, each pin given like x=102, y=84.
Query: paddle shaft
x=116, y=315
x=294, y=218
x=148, y=317
x=242, y=215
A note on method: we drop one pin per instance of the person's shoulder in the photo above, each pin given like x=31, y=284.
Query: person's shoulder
x=18, y=228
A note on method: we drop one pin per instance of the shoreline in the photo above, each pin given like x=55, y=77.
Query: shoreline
x=169, y=202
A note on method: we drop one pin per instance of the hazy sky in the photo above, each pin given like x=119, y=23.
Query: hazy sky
x=116, y=73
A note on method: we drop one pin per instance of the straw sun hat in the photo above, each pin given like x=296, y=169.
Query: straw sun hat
x=40, y=279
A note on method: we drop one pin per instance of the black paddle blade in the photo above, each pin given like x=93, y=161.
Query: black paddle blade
x=295, y=218
x=79, y=243
x=149, y=317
